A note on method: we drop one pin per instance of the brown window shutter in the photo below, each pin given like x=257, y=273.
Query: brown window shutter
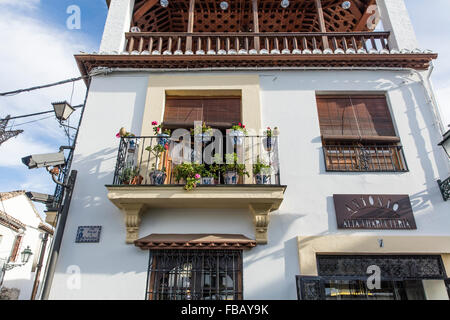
x=16, y=248
x=183, y=111
x=215, y=111
x=355, y=118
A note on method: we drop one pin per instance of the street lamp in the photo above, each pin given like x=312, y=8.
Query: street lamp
x=26, y=254
x=446, y=142
x=63, y=110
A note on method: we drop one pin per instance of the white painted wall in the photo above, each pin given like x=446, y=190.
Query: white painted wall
x=113, y=270
x=117, y=23
x=395, y=18
x=22, y=277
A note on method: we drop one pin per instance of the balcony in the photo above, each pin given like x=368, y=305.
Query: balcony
x=161, y=172
x=364, y=158
x=247, y=50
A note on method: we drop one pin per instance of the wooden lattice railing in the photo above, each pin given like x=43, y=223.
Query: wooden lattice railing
x=256, y=43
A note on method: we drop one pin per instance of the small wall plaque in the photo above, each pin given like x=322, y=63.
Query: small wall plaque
x=88, y=234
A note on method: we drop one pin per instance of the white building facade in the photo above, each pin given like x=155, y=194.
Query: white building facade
x=349, y=190
x=21, y=227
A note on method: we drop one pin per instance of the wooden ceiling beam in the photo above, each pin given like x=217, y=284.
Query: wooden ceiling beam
x=144, y=9
x=362, y=24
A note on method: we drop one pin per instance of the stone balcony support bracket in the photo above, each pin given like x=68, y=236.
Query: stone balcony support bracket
x=261, y=219
x=132, y=212
x=260, y=200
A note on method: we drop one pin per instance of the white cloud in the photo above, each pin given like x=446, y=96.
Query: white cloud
x=16, y=148
x=34, y=52
x=28, y=4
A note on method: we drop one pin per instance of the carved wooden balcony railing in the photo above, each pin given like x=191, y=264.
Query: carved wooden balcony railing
x=257, y=43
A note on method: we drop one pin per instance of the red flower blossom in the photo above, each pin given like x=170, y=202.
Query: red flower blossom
x=154, y=123
x=118, y=135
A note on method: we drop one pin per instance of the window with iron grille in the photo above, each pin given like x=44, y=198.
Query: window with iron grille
x=195, y=275
x=358, y=134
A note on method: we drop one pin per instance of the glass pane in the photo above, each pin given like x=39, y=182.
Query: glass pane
x=358, y=290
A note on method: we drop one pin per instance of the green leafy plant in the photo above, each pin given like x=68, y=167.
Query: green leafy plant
x=239, y=127
x=190, y=172
x=231, y=164
x=203, y=129
x=158, y=129
x=128, y=174
x=260, y=167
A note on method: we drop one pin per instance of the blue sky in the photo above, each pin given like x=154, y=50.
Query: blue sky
x=38, y=48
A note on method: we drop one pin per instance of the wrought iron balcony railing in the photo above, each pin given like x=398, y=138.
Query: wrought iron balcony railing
x=256, y=43
x=161, y=160
x=367, y=158
x=444, y=186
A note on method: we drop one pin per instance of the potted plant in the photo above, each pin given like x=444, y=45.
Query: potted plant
x=123, y=133
x=269, y=139
x=162, y=134
x=203, y=133
x=157, y=176
x=261, y=172
x=190, y=173
x=208, y=175
x=238, y=132
x=233, y=171
x=130, y=175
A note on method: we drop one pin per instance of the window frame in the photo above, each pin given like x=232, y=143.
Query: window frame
x=153, y=284
x=362, y=153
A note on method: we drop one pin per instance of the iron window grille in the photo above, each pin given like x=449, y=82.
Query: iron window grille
x=194, y=275
x=364, y=158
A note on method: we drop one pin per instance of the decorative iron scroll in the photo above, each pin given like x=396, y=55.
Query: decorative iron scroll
x=195, y=275
x=309, y=288
x=445, y=188
x=400, y=267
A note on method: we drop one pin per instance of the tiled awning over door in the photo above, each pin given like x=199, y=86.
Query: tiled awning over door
x=195, y=241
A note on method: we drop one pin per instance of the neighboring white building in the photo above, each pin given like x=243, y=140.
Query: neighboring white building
x=21, y=226
x=358, y=159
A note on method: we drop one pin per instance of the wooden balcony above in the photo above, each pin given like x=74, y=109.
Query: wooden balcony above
x=256, y=50
x=253, y=16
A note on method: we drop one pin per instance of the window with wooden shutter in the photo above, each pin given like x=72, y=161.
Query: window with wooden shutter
x=16, y=248
x=358, y=134
x=355, y=118
x=217, y=112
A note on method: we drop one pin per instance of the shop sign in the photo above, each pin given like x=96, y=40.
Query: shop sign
x=382, y=211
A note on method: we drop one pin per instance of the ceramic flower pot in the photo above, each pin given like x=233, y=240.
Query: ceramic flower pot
x=163, y=139
x=230, y=177
x=261, y=178
x=204, y=137
x=207, y=180
x=157, y=177
x=238, y=136
x=131, y=146
x=267, y=144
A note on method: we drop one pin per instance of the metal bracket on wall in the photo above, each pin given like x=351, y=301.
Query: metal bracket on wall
x=444, y=186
